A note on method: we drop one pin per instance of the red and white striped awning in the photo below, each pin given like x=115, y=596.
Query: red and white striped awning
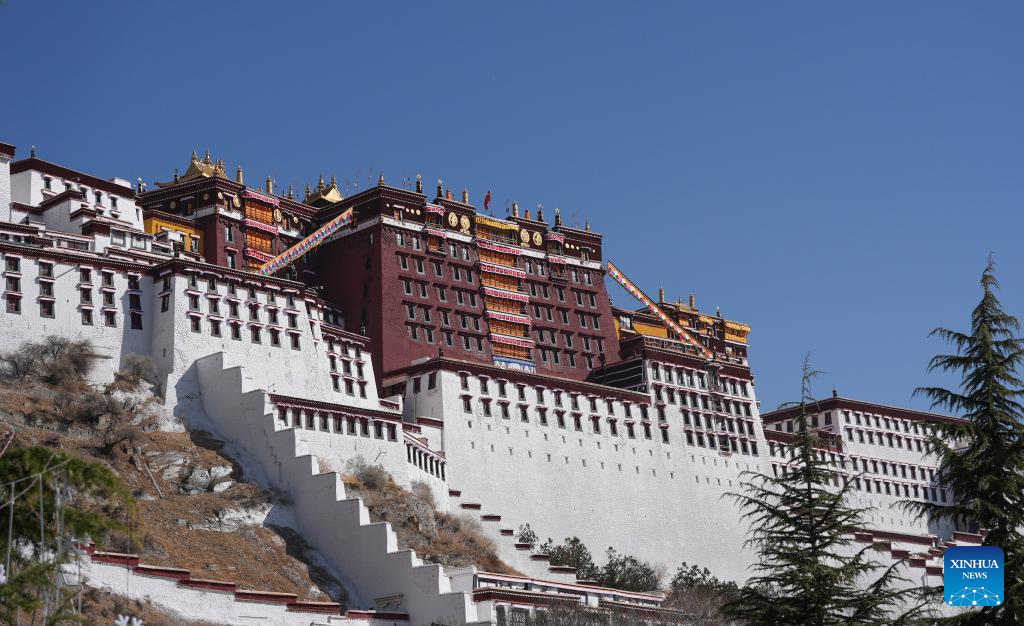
x=556, y=259
x=436, y=233
x=487, y=245
x=509, y=317
x=249, y=193
x=251, y=223
x=256, y=254
x=501, y=269
x=556, y=237
x=433, y=208
x=508, y=295
x=519, y=342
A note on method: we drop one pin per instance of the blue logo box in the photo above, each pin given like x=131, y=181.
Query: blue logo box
x=973, y=576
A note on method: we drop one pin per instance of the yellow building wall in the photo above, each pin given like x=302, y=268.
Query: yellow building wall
x=156, y=225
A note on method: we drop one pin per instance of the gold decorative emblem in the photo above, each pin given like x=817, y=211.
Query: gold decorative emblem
x=220, y=195
x=206, y=197
x=295, y=220
x=453, y=219
x=277, y=215
x=235, y=201
x=173, y=204
x=464, y=223
x=536, y=239
x=525, y=236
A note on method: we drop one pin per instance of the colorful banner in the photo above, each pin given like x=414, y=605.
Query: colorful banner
x=656, y=310
x=433, y=208
x=297, y=251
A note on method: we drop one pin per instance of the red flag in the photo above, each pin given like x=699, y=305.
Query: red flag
x=487, y=200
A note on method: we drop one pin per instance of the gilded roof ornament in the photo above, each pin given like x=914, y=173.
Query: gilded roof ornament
x=380, y=181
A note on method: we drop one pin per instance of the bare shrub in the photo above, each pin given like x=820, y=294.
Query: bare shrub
x=372, y=477
x=423, y=491
x=135, y=370
x=56, y=361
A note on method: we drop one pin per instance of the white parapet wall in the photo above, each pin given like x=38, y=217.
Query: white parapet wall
x=217, y=602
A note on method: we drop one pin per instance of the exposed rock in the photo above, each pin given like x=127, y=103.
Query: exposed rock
x=230, y=520
x=221, y=486
x=220, y=471
x=197, y=482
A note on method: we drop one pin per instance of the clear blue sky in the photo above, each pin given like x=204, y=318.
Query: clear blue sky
x=833, y=174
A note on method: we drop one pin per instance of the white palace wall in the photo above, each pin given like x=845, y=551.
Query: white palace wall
x=662, y=502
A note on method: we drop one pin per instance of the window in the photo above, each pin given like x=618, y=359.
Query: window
x=84, y=276
x=85, y=295
x=86, y=317
x=194, y=320
x=229, y=233
x=295, y=341
x=110, y=318
x=236, y=332
x=13, y=284
x=46, y=270
x=134, y=302
x=136, y=320
x=46, y=308
x=13, y=304
x=254, y=332
x=231, y=260
x=13, y=264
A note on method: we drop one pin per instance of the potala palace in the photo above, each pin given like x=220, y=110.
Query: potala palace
x=481, y=356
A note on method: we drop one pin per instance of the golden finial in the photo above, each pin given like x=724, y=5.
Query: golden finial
x=309, y=191
x=693, y=301
x=419, y=184
x=195, y=157
x=380, y=181
x=270, y=185
x=587, y=226
x=207, y=160
x=334, y=181
x=515, y=209
x=240, y=176
x=440, y=188
x=320, y=185
x=291, y=191
x=558, y=216
x=465, y=196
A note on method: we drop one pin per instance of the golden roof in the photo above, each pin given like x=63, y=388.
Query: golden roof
x=205, y=168
x=328, y=193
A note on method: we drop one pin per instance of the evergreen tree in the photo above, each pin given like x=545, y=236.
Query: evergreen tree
x=809, y=571
x=58, y=498
x=982, y=456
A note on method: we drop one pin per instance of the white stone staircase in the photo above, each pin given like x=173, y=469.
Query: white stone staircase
x=364, y=554
x=524, y=557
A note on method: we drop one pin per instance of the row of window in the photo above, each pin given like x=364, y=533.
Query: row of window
x=540, y=394
x=338, y=424
x=890, y=440
x=211, y=285
x=882, y=422
x=97, y=194
x=879, y=486
x=48, y=309
x=560, y=418
x=462, y=296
